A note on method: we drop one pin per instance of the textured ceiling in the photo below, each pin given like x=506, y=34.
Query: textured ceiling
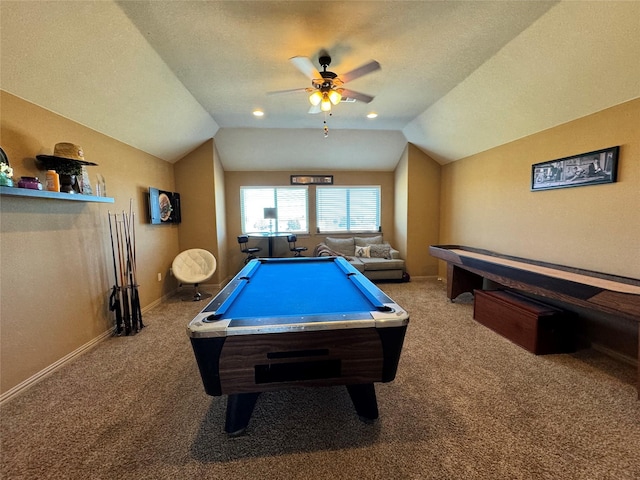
x=457, y=77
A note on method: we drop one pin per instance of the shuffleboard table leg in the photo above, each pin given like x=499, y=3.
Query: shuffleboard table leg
x=239, y=409
x=364, y=399
x=461, y=281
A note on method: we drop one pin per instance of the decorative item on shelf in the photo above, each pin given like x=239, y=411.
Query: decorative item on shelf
x=101, y=186
x=67, y=160
x=31, y=183
x=85, y=183
x=53, y=181
x=6, y=172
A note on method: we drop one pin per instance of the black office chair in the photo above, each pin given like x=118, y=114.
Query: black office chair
x=243, y=241
x=292, y=239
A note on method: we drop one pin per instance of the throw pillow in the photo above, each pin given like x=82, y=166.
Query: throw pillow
x=342, y=245
x=379, y=251
x=363, y=252
x=364, y=241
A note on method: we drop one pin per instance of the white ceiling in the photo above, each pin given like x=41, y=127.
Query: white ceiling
x=457, y=77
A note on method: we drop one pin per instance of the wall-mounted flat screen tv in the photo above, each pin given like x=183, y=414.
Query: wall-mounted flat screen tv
x=164, y=207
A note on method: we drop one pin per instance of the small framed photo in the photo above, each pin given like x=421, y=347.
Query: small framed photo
x=590, y=168
x=311, y=179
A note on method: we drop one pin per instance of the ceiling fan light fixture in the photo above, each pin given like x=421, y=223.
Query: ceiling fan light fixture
x=315, y=98
x=325, y=105
x=335, y=96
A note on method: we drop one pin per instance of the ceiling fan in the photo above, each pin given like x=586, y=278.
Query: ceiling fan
x=327, y=87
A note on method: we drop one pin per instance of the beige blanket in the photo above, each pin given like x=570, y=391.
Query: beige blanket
x=322, y=250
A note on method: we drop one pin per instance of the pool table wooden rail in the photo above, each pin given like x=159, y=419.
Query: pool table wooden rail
x=611, y=294
x=277, y=361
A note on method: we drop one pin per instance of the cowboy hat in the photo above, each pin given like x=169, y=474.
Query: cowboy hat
x=66, y=151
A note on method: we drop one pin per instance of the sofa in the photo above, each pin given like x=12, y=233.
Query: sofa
x=372, y=256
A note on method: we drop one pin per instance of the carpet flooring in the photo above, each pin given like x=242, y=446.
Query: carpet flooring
x=466, y=404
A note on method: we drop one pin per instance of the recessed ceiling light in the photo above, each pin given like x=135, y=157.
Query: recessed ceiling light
x=372, y=115
x=258, y=113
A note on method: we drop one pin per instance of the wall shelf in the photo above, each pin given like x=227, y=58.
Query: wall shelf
x=25, y=192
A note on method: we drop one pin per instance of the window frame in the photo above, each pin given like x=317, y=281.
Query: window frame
x=348, y=213
x=274, y=204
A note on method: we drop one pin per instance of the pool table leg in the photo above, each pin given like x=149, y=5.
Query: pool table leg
x=363, y=397
x=239, y=409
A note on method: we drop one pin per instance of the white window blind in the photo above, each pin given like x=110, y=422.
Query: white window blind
x=348, y=209
x=291, y=209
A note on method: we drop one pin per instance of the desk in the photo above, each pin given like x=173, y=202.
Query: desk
x=466, y=267
x=289, y=322
x=269, y=236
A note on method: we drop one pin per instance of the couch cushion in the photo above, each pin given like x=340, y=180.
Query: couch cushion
x=357, y=264
x=345, y=246
x=364, y=241
x=363, y=251
x=381, y=264
x=379, y=251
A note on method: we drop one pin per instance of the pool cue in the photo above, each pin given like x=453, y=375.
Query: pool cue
x=114, y=298
x=137, y=310
x=135, y=300
x=127, y=263
x=123, y=288
x=135, y=271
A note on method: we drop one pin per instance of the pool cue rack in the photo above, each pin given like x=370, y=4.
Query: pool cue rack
x=125, y=299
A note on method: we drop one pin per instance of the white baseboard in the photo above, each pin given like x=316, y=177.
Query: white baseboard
x=53, y=367
x=424, y=277
x=78, y=351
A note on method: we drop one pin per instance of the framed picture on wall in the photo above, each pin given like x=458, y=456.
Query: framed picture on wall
x=311, y=179
x=164, y=206
x=590, y=168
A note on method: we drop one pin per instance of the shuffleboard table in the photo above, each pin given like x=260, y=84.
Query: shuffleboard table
x=288, y=322
x=612, y=294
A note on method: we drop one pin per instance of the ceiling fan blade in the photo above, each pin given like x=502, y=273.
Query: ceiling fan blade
x=284, y=92
x=305, y=66
x=314, y=109
x=372, y=66
x=361, y=97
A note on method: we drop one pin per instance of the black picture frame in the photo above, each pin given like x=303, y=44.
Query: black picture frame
x=591, y=168
x=311, y=179
x=164, y=207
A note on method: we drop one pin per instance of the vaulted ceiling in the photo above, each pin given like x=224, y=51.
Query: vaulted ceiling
x=457, y=77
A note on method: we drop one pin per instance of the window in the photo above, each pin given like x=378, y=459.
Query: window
x=290, y=204
x=348, y=209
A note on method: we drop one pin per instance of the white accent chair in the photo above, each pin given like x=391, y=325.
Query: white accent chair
x=194, y=266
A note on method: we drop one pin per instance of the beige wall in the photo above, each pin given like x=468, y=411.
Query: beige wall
x=487, y=203
x=200, y=181
x=224, y=243
x=56, y=266
x=235, y=180
x=195, y=180
x=423, y=214
x=417, y=210
x=401, y=203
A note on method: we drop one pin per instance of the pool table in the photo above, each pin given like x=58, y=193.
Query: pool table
x=288, y=322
